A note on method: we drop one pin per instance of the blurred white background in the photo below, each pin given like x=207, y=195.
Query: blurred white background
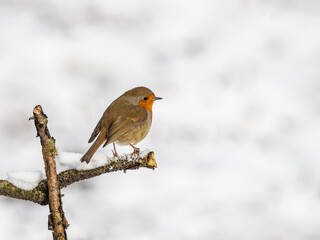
x=236, y=136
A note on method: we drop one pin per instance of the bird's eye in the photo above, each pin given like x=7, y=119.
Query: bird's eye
x=145, y=98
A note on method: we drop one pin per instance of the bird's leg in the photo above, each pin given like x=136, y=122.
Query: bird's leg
x=115, y=154
x=135, y=150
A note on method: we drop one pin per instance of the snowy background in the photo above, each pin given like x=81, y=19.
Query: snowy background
x=236, y=135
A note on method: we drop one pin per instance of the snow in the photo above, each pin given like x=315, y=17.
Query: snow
x=236, y=136
x=70, y=160
x=26, y=180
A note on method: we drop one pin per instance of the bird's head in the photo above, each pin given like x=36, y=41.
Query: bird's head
x=142, y=97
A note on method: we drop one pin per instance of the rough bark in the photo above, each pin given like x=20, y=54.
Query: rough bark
x=37, y=195
x=57, y=221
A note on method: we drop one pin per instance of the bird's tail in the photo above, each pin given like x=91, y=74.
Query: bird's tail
x=94, y=147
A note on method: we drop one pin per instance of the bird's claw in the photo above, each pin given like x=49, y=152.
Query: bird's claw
x=115, y=154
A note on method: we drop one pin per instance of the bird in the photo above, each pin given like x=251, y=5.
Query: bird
x=126, y=121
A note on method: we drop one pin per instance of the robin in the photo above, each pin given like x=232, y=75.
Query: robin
x=126, y=121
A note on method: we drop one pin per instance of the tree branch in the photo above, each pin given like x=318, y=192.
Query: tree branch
x=70, y=176
x=39, y=194
x=57, y=220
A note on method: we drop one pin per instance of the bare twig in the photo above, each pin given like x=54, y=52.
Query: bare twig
x=49, y=153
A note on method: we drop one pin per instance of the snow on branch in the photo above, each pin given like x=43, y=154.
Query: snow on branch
x=39, y=194
x=70, y=176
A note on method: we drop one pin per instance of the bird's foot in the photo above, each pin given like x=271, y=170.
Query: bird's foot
x=135, y=150
x=115, y=154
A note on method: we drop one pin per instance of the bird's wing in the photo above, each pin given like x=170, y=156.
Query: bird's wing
x=95, y=132
x=125, y=124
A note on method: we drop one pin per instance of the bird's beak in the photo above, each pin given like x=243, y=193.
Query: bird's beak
x=157, y=98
